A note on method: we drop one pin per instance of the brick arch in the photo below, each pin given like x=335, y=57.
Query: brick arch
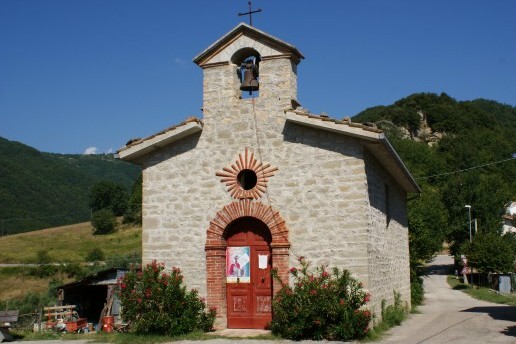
x=216, y=249
x=246, y=208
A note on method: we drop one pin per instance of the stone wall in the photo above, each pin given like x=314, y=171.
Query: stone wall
x=388, y=236
x=320, y=187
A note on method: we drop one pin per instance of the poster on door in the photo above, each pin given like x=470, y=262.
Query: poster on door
x=238, y=269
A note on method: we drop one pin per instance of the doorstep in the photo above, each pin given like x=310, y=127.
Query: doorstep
x=240, y=333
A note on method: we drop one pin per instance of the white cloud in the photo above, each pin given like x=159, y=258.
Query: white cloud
x=179, y=61
x=90, y=150
x=110, y=150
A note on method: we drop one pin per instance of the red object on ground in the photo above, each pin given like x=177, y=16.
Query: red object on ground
x=74, y=326
x=107, y=324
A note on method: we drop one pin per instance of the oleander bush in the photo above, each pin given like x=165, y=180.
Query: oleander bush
x=320, y=305
x=156, y=302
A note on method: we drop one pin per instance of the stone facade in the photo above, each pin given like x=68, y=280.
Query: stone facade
x=388, y=248
x=326, y=201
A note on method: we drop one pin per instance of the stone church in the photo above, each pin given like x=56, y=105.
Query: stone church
x=259, y=181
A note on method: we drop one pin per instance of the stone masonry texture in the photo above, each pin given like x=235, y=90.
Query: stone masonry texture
x=329, y=190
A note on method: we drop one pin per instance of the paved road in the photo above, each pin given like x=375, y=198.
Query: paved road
x=448, y=316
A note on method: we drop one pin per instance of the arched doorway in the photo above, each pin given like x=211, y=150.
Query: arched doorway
x=248, y=274
x=216, y=248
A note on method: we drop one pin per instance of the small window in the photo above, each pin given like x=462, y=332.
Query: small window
x=387, y=206
x=247, y=179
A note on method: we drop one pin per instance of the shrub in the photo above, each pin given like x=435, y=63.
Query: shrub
x=74, y=270
x=417, y=291
x=393, y=315
x=155, y=302
x=320, y=306
x=103, y=221
x=123, y=261
x=95, y=254
x=30, y=303
x=53, y=285
x=44, y=268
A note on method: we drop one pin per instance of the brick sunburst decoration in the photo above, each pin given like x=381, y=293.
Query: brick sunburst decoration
x=246, y=166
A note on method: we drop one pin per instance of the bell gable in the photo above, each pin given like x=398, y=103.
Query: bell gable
x=240, y=41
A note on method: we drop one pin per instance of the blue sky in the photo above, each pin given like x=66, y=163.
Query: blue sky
x=79, y=75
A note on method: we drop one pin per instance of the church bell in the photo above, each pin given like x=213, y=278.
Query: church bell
x=249, y=69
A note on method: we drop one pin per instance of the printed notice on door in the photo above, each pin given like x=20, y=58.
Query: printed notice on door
x=238, y=269
x=262, y=261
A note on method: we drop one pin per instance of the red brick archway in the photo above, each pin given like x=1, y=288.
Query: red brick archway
x=216, y=249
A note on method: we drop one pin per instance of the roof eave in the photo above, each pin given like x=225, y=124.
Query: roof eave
x=375, y=141
x=241, y=28
x=144, y=147
x=333, y=126
x=412, y=186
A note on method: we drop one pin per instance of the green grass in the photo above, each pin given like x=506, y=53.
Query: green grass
x=69, y=243
x=392, y=315
x=480, y=293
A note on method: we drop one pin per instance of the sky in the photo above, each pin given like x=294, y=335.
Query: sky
x=85, y=76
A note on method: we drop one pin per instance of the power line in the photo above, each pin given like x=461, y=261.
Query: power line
x=467, y=169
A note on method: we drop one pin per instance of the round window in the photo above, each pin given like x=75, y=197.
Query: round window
x=247, y=179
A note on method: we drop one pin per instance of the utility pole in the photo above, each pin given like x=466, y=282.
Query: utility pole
x=470, y=238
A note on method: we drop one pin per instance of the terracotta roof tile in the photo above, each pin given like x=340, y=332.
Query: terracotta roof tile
x=134, y=142
x=345, y=121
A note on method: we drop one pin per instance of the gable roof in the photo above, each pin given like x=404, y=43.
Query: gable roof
x=242, y=29
x=104, y=277
x=375, y=141
x=137, y=148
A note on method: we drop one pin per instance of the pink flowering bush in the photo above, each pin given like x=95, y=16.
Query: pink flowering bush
x=155, y=302
x=320, y=305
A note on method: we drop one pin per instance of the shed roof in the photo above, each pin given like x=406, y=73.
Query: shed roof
x=104, y=277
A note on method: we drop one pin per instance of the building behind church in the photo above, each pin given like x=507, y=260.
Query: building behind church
x=259, y=181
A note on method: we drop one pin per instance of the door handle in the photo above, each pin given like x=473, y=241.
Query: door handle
x=263, y=279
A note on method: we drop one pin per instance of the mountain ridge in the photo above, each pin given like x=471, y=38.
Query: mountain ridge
x=40, y=190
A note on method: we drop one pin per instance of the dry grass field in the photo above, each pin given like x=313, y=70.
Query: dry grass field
x=68, y=243
x=17, y=285
x=63, y=244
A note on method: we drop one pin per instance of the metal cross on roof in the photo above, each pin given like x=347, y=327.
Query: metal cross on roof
x=250, y=13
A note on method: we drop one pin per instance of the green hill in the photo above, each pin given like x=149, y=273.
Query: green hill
x=41, y=190
x=460, y=152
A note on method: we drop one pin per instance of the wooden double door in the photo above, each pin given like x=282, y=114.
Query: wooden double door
x=248, y=274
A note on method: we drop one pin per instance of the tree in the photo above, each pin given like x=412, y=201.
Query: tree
x=103, y=221
x=109, y=195
x=427, y=224
x=95, y=254
x=134, y=209
x=490, y=252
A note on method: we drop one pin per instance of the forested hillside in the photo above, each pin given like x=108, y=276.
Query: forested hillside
x=40, y=190
x=461, y=153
